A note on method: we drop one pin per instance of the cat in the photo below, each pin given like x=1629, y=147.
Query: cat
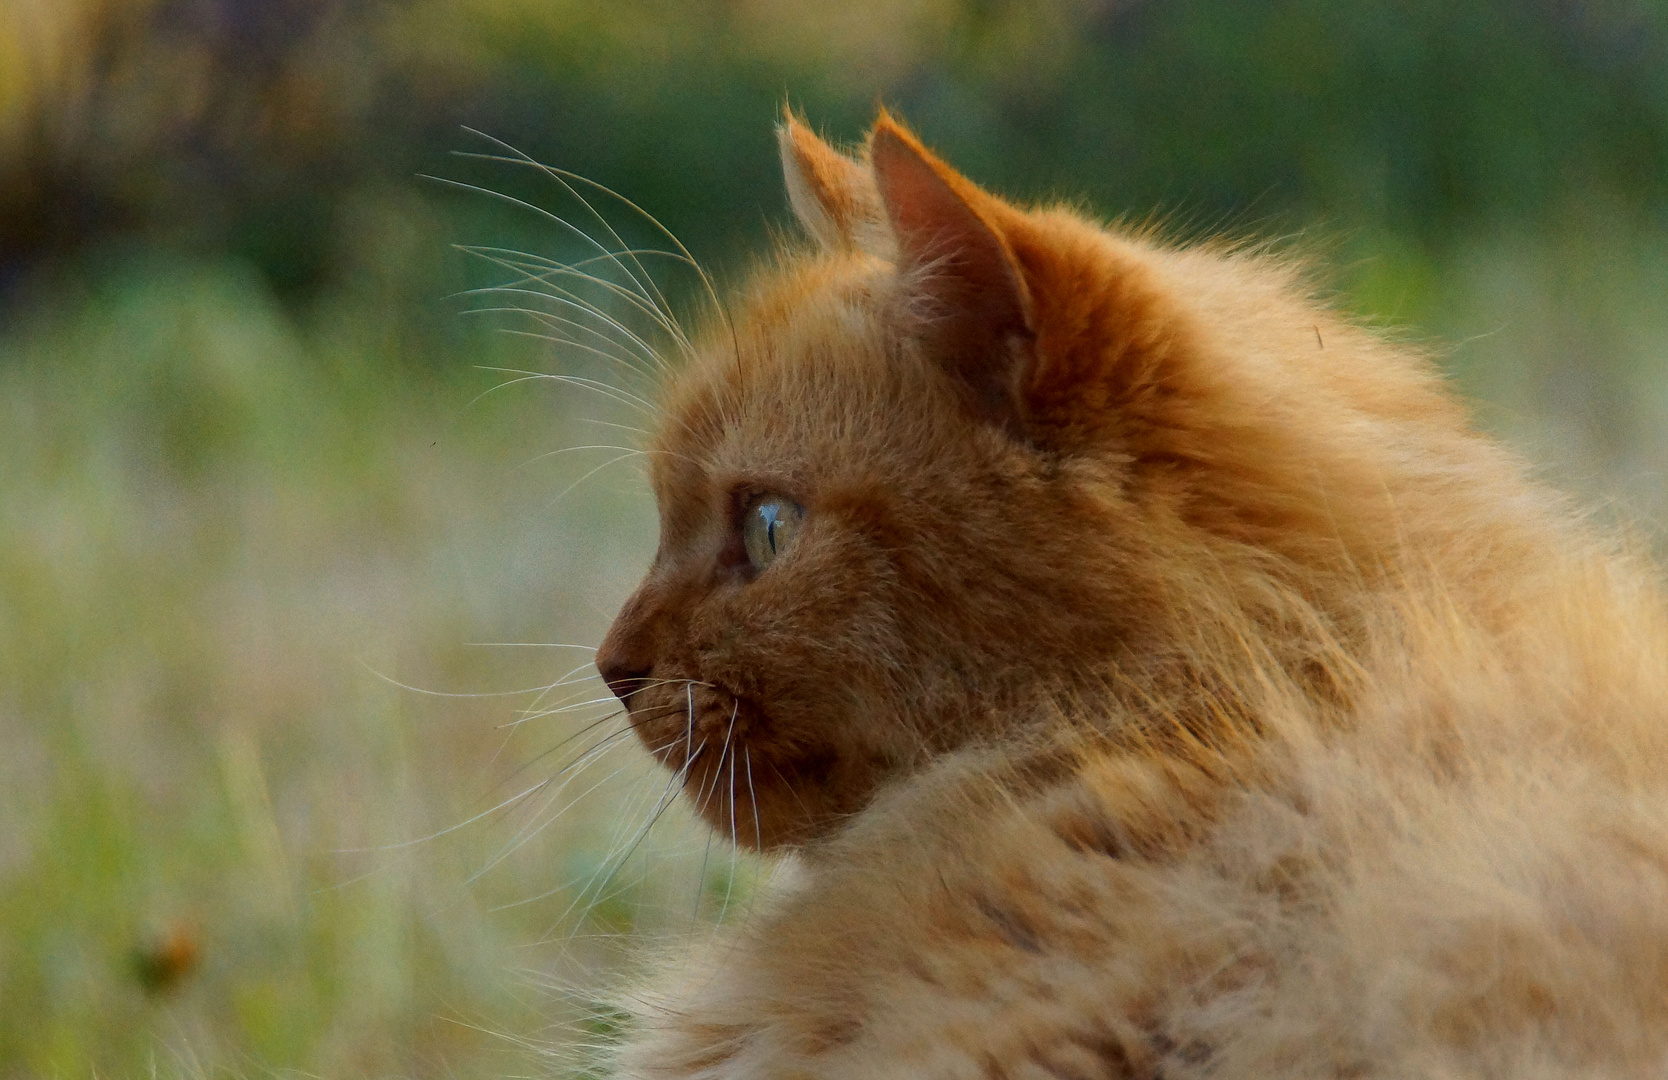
x=1148, y=671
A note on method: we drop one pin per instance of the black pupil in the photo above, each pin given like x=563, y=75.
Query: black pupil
x=768, y=511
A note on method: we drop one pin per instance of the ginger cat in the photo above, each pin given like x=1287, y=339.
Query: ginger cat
x=1151, y=672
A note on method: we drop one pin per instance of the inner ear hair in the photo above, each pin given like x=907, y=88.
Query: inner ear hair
x=831, y=194
x=977, y=324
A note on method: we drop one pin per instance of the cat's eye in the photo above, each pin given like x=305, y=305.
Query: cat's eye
x=768, y=527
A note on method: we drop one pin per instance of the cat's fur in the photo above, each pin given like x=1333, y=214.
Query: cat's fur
x=1166, y=681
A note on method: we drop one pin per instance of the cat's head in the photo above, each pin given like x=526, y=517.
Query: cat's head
x=939, y=472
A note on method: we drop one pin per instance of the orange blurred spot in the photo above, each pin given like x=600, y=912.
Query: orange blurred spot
x=164, y=961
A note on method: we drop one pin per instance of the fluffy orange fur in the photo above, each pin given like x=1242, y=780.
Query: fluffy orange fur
x=1165, y=680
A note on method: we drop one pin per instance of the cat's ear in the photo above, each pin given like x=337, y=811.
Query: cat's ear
x=832, y=195
x=974, y=309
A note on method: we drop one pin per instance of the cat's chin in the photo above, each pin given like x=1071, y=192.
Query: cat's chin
x=707, y=738
x=739, y=772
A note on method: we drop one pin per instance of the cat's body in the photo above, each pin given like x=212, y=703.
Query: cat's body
x=1158, y=678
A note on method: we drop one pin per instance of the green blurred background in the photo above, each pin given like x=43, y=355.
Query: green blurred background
x=282, y=573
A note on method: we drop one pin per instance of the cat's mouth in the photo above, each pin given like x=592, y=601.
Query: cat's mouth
x=680, y=720
x=730, y=762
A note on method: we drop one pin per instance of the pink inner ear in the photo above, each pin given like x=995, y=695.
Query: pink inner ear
x=978, y=311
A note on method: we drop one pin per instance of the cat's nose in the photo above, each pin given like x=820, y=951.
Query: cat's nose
x=624, y=661
x=623, y=676
x=626, y=658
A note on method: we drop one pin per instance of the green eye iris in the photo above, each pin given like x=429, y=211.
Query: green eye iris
x=768, y=528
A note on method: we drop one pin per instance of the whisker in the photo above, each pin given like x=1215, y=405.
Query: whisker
x=611, y=461
x=532, y=376
x=558, y=710
x=622, y=427
x=542, y=754
x=689, y=725
x=448, y=829
x=623, y=396
x=645, y=284
x=730, y=882
x=550, y=339
x=453, y=694
x=624, y=451
x=635, y=450
x=569, y=300
x=534, y=829
x=667, y=796
x=543, y=274
x=552, y=171
x=555, y=218
x=572, y=767
x=791, y=791
x=530, y=645
x=646, y=683
x=701, y=805
x=566, y=681
x=753, y=798
x=558, y=746
x=536, y=259
x=571, y=678
x=539, y=822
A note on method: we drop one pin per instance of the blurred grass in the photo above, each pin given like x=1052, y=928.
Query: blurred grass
x=222, y=535
x=249, y=484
